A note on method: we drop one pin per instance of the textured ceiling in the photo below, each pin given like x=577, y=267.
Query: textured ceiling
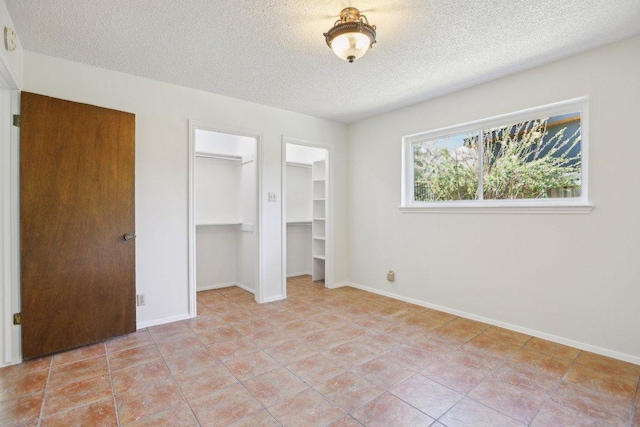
x=272, y=51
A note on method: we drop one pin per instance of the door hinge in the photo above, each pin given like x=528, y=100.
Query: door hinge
x=17, y=318
x=16, y=120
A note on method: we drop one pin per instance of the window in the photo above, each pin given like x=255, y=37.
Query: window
x=532, y=160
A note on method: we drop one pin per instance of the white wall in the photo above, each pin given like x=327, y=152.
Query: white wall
x=299, y=209
x=304, y=154
x=246, y=247
x=224, y=143
x=247, y=189
x=216, y=256
x=225, y=193
x=299, y=190
x=217, y=191
x=574, y=277
x=298, y=249
x=162, y=113
x=11, y=63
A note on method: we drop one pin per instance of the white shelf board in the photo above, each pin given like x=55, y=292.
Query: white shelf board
x=218, y=223
x=319, y=238
x=319, y=219
x=319, y=257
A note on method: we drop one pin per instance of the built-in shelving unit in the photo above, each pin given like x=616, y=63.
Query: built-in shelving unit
x=319, y=227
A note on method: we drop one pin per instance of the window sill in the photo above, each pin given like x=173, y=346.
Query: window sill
x=498, y=208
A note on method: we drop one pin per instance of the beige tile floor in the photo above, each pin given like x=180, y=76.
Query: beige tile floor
x=323, y=357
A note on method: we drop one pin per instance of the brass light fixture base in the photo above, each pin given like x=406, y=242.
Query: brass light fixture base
x=350, y=14
x=351, y=21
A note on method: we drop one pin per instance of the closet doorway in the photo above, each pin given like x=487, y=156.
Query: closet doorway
x=306, y=237
x=224, y=211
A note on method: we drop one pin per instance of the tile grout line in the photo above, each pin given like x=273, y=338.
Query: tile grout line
x=385, y=390
x=255, y=397
x=283, y=366
x=493, y=371
x=558, y=384
x=504, y=362
x=350, y=369
x=296, y=305
x=369, y=330
x=466, y=395
x=51, y=373
x=44, y=392
x=277, y=361
x=634, y=406
x=113, y=394
x=312, y=387
x=173, y=377
x=238, y=380
x=350, y=413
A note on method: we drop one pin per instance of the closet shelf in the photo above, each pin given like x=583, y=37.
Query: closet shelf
x=219, y=156
x=319, y=238
x=299, y=222
x=319, y=257
x=319, y=219
x=319, y=179
x=218, y=223
x=319, y=200
x=299, y=165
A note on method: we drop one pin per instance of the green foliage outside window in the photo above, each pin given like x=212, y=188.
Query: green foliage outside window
x=521, y=161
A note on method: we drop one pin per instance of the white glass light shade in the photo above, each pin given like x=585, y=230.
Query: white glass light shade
x=351, y=36
x=350, y=46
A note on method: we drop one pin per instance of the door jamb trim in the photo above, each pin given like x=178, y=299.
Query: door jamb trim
x=191, y=231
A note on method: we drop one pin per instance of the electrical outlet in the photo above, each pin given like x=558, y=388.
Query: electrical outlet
x=140, y=299
x=273, y=197
x=391, y=276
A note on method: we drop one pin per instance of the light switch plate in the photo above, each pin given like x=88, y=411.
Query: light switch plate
x=273, y=197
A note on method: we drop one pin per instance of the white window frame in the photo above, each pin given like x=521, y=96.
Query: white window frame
x=577, y=205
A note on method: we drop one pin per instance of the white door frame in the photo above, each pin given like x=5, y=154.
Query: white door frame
x=198, y=125
x=9, y=224
x=329, y=281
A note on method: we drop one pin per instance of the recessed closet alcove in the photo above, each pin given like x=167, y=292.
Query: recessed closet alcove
x=225, y=199
x=306, y=176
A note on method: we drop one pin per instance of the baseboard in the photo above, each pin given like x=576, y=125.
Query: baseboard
x=220, y=286
x=225, y=285
x=272, y=299
x=304, y=273
x=338, y=285
x=560, y=340
x=246, y=288
x=156, y=322
x=13, y=362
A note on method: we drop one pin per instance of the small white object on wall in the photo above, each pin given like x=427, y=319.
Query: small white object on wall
x=10, y=39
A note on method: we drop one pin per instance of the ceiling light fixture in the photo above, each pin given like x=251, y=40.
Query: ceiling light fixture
x=351, y=36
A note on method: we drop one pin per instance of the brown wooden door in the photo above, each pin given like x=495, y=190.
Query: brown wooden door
x=77, y=203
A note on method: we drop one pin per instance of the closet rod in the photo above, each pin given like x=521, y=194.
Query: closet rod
x=299, y=165
x=219, y=156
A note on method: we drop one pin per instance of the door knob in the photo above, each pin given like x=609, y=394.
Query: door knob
x=128, y=237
